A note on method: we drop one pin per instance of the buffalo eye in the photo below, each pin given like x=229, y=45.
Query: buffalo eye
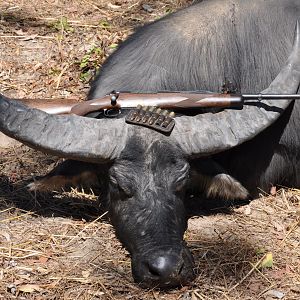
x=123, y=191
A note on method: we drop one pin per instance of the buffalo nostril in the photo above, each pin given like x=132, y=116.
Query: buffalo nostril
x=164, y=266
x=165, y=269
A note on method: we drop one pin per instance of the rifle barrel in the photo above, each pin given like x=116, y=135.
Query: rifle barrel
x=270, y=96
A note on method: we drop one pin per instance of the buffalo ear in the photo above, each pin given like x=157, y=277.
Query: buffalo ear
x=225, y=187
x=212, y=180
x=69, y=173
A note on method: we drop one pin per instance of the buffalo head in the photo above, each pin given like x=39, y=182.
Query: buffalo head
x=149, y=172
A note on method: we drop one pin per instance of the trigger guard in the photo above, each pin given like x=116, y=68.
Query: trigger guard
x=112, y=113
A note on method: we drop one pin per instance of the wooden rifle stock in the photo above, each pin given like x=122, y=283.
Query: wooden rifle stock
x=166, y=100
x=56, y=106
x=171, y=101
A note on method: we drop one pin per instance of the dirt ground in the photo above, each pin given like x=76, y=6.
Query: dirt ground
x=61, y=245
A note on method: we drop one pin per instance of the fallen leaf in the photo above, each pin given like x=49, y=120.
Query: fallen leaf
x=113, y=6
x=278, y=226
x=24, y=276
x=29, y=37
x=6, y=235
x=96, y=293
x=29, y=288
x=147, y=8
x=267, y=261
x=42, y=271
x=280, y=236
x=37, y=66
x=43, y=259
x=19, y=32
x=274, y=294
x=113, y=46
x=85, y=274
x=25, y=269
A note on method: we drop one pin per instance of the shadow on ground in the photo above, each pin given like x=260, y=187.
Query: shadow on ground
x=68, y=205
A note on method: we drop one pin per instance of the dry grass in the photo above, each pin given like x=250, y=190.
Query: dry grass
x=44, y=44
x=60, y=245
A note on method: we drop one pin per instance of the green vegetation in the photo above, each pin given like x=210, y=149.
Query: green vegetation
x=62, y=24
x=89, y=63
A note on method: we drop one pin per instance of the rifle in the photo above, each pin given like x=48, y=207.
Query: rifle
x=163, y=100
x=148, y=106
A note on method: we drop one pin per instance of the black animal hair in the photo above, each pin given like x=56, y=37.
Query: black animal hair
x=202, y=46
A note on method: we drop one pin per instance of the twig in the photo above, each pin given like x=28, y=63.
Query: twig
x=85, y=228
x=199, y=295
x=60, y=75
x=289, y=232
x=26, y=37
x=16, y=217
x=285, y=199
x=247, y=275
x=261, y=274
x=265, y=290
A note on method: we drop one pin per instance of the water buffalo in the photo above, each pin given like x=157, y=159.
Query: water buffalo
x=221, y=155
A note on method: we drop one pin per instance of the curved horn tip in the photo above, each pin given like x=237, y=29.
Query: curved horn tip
x=297, y=32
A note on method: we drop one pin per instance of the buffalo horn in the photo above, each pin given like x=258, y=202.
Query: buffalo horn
x=66, y=136
x=210, y=133
x=103, y=140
